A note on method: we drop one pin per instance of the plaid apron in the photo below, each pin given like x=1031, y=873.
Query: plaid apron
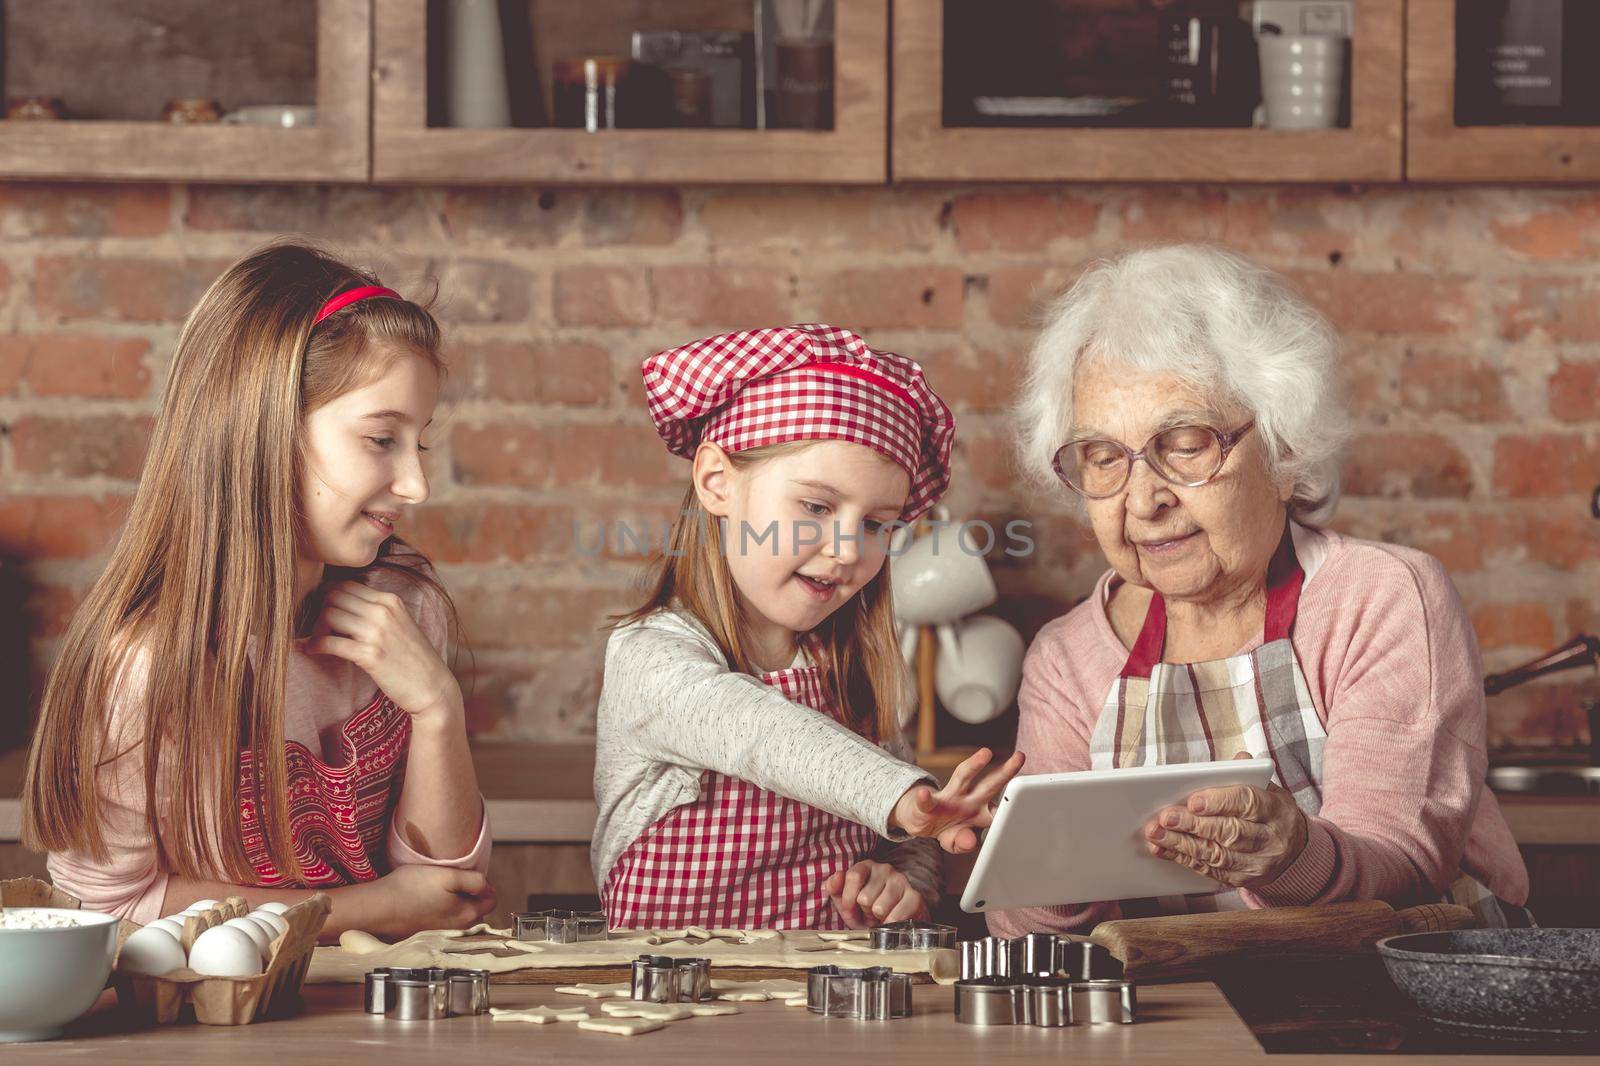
x=739, y=857
x=338, y=815
x=1257, y=702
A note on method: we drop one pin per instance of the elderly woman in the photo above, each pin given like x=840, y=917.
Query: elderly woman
x=1187, y=398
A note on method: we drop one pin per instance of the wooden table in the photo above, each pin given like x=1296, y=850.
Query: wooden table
x=1191, y=1024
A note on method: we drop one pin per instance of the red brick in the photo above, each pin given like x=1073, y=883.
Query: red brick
x=49, y=610
x=551, y=456
x=1284, y=219
x=1575, y=391
x=478, y=291
x=1455, y=384
x=1020, y=221
x=53, y=209
x=493, y=532
x=1548, y=464
x=1417, y=465
x=1018, y=296
x=355, y=214
x=544, y=618
x=1388, y=303
x=1567, y=232
x=848, y=220
x=127, y=290
x=891, y=298
x=87, y=446
x=630, y=216
x=557, y=372
x=726, y=297
x=59, y=527
x=603, y=296
x=975, y=379
x=75, y=365
x=1561, y=309
x=1513, y=625
x=551, y=697
x=1473, y=540
x=1164, y=215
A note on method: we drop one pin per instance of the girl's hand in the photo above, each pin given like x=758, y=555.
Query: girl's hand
x=872, y=893
x=410, y=899
x=1238, y=835
x=374, y=630
x=965, y=801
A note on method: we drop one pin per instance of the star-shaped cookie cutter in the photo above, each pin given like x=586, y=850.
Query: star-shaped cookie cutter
x=560, y=927
x=668, y=979
x=913, y=936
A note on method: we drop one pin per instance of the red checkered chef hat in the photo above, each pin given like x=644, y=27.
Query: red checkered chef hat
x=811, y=382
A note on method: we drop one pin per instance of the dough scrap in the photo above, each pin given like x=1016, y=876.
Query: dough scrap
x=844, y=934
x=757, y=991
x=539, y=1015
x=621, y=1026
x=622, y=991
x=662, y=1012
x=712, y=1010
x=359, y=943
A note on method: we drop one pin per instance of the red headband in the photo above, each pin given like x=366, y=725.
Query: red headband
x=345, y=299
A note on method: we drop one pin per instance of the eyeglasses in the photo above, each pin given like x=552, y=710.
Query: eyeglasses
x=1183, y=455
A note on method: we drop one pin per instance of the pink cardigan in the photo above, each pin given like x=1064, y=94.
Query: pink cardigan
x=1393, y=667
x=322, y=692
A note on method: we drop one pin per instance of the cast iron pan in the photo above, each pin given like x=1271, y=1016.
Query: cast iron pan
x=1508, y=983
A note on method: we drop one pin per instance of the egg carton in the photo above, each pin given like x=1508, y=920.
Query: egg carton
x=231, y=1000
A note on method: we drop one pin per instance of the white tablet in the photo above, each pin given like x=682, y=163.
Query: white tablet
x=1079, y=837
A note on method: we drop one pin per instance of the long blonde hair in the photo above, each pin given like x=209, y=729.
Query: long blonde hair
x=855, y=647
x=201, y=579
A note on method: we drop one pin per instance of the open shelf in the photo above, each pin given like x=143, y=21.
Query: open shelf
x=1439, y=150
x=1370, y=149
x=407, y=149
x=333, y=150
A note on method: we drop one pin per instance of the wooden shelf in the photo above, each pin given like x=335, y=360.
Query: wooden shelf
x=406, y=149
x=926, y=150
x=334, y=150
x=1439, y=150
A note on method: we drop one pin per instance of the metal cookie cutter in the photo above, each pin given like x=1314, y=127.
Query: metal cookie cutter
x=560, y=927
x=873, y=994
x=469, y=991
x=1106, y=1002
x=379, y=984
x=913, y=936
x=666, y=979
x=991, y=1001
x=425, y=992
x=1037, y=955
x=416, y=999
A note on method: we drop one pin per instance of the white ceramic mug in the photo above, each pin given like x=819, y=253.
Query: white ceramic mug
x=979, y=668
x=937, y=579
x=1302, y=79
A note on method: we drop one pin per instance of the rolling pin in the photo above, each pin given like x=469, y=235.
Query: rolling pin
x=1182, y=944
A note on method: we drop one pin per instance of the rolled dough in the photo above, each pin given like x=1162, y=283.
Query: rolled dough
x=621, y=1026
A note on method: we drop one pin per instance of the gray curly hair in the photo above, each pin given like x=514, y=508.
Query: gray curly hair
x=1215, y=320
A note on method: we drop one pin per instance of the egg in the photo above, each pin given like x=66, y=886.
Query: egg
x=258, y=936
x=200, y=905
x=171, y=925
x=275, y=907
x=275, y=922
x=224, y=952
x=150, y=951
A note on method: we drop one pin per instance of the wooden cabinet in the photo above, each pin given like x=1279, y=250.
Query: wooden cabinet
x=334, y=150
x=406, y=149
x=926, y=150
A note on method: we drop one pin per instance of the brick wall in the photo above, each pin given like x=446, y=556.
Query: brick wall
x=1473, y=364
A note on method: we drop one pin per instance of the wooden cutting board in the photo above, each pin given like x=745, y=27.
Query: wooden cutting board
x=1183, y=945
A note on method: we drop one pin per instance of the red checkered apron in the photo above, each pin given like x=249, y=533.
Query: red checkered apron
x=739, y=857
x=338, y=815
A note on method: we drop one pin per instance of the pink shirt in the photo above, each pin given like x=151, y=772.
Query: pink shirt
x=1393, y=668
x=321, y=693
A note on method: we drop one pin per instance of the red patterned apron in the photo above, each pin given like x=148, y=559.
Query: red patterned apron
x=739, y=857
x=338, y=815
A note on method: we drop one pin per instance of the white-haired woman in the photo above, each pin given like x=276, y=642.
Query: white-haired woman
x=1187, y=398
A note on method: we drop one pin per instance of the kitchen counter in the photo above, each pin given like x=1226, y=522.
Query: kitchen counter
x=544, y=793
x=1181, y=1023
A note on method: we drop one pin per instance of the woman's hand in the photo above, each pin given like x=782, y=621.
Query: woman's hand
x=410, y=899
x=1238, y=835
x=872, y=893
x=965, y=802
x=374, y=630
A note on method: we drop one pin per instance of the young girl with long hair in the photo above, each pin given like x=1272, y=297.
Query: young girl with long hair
x=749, y=768
x=252, y=698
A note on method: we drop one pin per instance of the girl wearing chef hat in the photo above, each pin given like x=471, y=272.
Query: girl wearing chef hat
x=252, y=698
x=749, y=769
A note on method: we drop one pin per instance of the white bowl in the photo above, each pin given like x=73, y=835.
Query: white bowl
x=48, y=977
